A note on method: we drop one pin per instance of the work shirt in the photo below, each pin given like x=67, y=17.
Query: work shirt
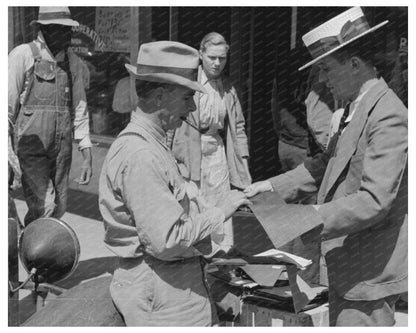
x=146, y=205
x=21, y=64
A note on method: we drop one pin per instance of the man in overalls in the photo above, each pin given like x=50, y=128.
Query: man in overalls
x=46, y=105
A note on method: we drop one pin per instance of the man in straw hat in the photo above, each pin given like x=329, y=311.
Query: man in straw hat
x=152, y=217
x=47, y=107
x=361, y=179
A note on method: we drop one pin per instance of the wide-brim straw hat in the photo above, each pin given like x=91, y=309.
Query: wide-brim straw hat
x=55, y=15
x=167, y=62
x=337, y=33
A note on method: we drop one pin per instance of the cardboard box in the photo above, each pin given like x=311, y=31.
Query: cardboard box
x=253, y=314
x=290, y=289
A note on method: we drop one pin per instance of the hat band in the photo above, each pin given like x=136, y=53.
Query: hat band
x=53, y=16
x=189, y=73
x=348, y=31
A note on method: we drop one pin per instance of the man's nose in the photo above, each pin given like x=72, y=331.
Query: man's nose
x=191, y=105
x=217, y=62
x=322, y=77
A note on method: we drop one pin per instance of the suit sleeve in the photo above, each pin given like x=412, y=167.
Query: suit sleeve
x=301, y=181
x=240, y=127
x=384, y=163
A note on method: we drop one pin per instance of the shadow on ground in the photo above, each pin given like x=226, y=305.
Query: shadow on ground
x=80, y=203
x=89, y=269
x=88, y=304
x=85, y=302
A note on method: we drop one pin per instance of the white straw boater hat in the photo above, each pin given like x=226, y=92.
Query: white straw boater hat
x=55, y=15
x=167, y=62
x=336, y=33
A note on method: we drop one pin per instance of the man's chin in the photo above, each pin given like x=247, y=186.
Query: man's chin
x=178, y=123
x=214, y=75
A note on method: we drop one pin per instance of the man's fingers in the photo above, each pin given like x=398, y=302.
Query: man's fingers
x=250, y=192
x=246, y=202
x=84, y=178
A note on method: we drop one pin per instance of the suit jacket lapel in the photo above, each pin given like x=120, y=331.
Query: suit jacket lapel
x=348, y=141
x=194, y=116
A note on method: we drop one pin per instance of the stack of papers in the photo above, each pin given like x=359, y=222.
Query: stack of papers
x=285, y=257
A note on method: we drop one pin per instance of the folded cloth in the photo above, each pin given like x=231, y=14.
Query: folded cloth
x=283, y=222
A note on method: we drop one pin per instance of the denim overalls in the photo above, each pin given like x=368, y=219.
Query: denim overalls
x=44, y=139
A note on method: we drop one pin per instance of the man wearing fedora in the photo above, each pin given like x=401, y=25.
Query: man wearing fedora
x=360, y=180
x=153, y=219
x=47, y=109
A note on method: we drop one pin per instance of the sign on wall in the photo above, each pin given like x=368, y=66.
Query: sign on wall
x=85, y=40
x=112, y=24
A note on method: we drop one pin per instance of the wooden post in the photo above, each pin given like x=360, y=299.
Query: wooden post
x=173, y=23
x=134, y=46
x=293, y=28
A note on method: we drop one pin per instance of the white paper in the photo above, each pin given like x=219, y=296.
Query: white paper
x=300, y=262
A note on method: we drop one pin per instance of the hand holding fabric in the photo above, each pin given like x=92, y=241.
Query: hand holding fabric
x=232, y=201
x=258, y=187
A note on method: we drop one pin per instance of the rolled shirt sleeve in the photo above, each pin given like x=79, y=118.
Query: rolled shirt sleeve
x=79, y=103
x=164, y=228
x=19, y=63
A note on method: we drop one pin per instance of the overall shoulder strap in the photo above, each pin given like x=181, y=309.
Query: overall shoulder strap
x=35, y=51
x=36, y=57
x=67, y=69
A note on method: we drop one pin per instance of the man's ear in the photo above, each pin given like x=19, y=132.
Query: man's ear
x=356, y=64
x=158, y=96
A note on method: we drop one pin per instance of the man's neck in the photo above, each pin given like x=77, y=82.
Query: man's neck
x=53, y=50
x=152, y=116
x=361, y=83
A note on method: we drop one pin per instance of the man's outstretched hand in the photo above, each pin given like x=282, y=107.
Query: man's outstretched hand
x=258, y=187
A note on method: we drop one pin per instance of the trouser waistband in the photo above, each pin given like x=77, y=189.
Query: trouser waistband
x=153, y=260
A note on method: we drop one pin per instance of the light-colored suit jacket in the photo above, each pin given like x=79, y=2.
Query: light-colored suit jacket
x=362, y=193
x=186, y=145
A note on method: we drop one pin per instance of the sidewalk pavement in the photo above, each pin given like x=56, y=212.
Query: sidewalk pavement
x=90, y=234
x=95, y=259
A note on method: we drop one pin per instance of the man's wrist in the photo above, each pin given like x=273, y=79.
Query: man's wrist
x=84, y=143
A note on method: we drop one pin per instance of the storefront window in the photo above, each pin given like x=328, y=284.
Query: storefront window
x=102, y=41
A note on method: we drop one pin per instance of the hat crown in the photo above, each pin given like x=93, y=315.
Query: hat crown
x=49, y=9
x=55, y=15
x=48, y=13
x=167, y=62
x=334, y=34
x=334, y=26
x=168, y=54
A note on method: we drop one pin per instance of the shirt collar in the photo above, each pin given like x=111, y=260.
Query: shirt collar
x=44, y=46
x=141, y=122
x=204, y=78
x=364, y=89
